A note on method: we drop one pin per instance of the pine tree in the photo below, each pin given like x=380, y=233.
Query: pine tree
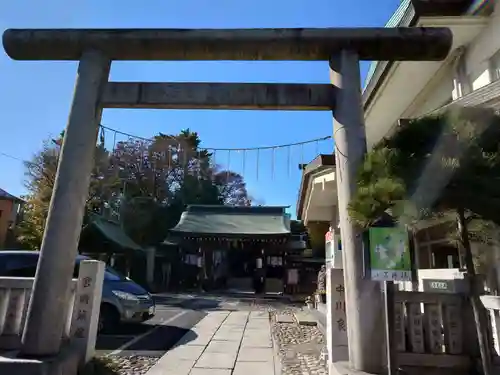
x=435, y=165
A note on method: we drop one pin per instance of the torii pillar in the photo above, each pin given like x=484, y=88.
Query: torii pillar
x=95, y=49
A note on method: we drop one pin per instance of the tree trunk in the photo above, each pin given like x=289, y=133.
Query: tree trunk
x=480, y=316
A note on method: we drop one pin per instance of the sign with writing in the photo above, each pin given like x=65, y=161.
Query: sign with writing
x=446, y=285
x=441, y=286
x=389, y=254
x=336, y=311
x=13, y=316
x=87, y=304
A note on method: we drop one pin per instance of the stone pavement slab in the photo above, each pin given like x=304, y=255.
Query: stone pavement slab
x=167, y=366
x=259, y=315
x=256, y=342
x=221, y=347
x=237, y=318
x=258, y=324
x=235, y=337
x=208, y=331
x=249, y=354
x=227, y=343
x=232, y=329
x=258, y=335
x=191, y=338
x=235, y=323
x=210, y=371
x=254, y=368
x=216, y=361
x=186, y=352
x=213, y=318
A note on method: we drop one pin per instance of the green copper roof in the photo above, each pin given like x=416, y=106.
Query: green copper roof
x=113, y=232
x=237, y=222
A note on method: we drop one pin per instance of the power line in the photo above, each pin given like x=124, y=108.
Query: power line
x=13, y=157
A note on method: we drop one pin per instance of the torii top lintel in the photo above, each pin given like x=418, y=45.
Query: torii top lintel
x=397, y=44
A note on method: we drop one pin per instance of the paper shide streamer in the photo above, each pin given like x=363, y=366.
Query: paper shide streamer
x=176, y=155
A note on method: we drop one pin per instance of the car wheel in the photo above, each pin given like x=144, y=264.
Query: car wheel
x=108, y=319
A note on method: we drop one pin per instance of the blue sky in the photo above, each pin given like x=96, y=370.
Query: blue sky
x=35, y=96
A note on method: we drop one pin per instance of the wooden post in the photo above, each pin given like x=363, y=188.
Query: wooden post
x=363, y=297
x=150, y=266
x=390, y=345
x=480, y=317
x=48, y=304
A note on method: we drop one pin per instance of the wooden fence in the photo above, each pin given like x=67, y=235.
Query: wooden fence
x=492, y=304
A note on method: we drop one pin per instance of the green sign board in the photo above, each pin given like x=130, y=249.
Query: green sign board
x=389, y=254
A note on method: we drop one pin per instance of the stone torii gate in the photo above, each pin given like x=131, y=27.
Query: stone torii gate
x=95, y=50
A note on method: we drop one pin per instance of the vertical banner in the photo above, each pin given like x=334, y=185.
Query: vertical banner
x=333, y=249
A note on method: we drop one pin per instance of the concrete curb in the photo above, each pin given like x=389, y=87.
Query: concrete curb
x=276, y=353
x=320, y=318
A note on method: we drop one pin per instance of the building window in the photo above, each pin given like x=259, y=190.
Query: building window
x=495, y=67
x=444, y=256
x=462, y=81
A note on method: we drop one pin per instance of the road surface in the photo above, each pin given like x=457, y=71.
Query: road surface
x=175, y=315
x=154, y=337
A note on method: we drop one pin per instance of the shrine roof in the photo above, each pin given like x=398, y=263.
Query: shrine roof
x=232, y=222
x=113, y=232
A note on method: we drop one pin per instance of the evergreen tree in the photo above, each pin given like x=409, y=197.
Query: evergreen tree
x=437, y=165
x=144, y=185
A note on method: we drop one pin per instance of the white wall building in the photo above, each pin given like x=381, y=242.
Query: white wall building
x=470, y=75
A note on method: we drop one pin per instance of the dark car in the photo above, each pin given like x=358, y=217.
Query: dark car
x=123, y=301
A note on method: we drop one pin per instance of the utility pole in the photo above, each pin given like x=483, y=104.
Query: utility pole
x=363, y=297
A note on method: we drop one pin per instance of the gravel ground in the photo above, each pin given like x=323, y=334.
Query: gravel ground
x=300, y=347
x=132, y=365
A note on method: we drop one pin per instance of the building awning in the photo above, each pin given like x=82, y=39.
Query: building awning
x=225, y=222
x=111, y=231
x=389, y=96
x=323, y=167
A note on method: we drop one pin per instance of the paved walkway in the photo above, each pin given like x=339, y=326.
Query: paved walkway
x=223, y=343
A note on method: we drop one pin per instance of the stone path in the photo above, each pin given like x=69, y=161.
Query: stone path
x=223, y=343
